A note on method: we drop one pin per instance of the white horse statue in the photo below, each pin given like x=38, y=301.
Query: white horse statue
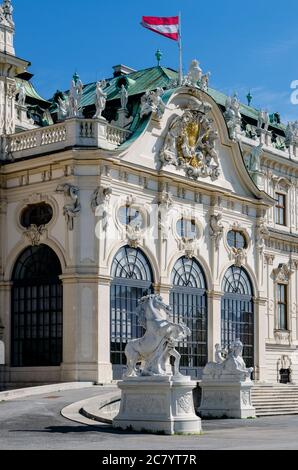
x=158, y=344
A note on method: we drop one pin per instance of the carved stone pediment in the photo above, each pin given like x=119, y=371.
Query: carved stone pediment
x=190, y=144
x=282, y=273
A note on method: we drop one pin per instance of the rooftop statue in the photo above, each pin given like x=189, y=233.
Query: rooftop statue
x=63, y=108
x=6, y=11
x=292, y=133
x=158, y=344
x=263, y=120
x=101, y=99
x=254, y=161
x=232, y=115
x=195, y=73
x=75, y=96
x=152, y=102
x=22, y=95
x=123, y=97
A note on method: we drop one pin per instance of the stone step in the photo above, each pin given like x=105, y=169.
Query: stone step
x=275, y=413
x=275, y=400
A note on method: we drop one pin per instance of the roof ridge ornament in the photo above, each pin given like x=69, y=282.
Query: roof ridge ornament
x=195, y=77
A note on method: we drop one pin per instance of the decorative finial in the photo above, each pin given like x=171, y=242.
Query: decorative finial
x=76, y=77
x=249, y=98
x=158, y=56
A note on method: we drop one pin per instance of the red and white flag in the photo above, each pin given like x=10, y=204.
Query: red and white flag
x=166, y=26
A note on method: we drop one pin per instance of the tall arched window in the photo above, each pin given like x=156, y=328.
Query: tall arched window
x=189, y=305
x=237, y=312
x=37, y=309
x=132, y=279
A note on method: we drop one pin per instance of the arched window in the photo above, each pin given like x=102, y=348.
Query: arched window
x=237, y=312
x=189, y=305
x=37, y=309
x=132, y=279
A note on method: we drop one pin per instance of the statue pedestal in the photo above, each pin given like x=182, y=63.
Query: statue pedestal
x=226, y=400
x=158, y=404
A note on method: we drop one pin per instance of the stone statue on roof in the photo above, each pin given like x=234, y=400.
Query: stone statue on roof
x=232, y=116
x=195, y=73
x=22, y=95
x=101, y=99
x=254, y=162
x=75, y=96
x=6, y=11
x=123, y=97
x=63, y=108
x=263, y=120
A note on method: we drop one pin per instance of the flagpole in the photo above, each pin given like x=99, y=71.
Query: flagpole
x=180, y=52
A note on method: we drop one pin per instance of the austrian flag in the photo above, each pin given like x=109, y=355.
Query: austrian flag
x=166, y=26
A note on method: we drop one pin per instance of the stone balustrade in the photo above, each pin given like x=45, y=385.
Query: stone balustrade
x=70, y=133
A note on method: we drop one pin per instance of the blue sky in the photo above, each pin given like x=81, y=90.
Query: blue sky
x=245, y=45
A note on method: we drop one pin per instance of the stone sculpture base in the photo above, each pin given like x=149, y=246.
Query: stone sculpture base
x=226, y=400
x=158, y=404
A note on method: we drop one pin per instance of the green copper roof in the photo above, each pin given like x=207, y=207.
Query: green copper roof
x=139, y=82
x=149, y=79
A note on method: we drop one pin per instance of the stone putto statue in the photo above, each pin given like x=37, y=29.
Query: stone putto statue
x=75, y=96
x=152, y=102
x=155, y=348
x=101, y=99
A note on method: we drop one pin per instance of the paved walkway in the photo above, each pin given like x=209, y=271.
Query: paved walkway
x=36, y=423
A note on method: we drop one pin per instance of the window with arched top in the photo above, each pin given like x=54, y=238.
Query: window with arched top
x=237, y=311
x=188, y=300
x=132, y=279
x=37, y=309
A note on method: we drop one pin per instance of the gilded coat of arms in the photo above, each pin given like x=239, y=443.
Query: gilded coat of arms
x=190, y=144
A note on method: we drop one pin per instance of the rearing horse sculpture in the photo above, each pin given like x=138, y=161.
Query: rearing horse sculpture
x=158, y=344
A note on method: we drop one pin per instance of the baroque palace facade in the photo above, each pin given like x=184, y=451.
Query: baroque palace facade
x=133, y=185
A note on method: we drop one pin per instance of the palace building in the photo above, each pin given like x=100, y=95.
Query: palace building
x=133, y=185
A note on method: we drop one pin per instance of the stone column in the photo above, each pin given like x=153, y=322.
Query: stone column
x=85, y=330
x=260, y=339
x=105, y=372
x=5, y=312
x=214, y=322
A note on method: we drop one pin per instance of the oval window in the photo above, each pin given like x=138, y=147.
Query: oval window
x=130, y=216
x=187, y=228
x=36, y=214
x=236, y=239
